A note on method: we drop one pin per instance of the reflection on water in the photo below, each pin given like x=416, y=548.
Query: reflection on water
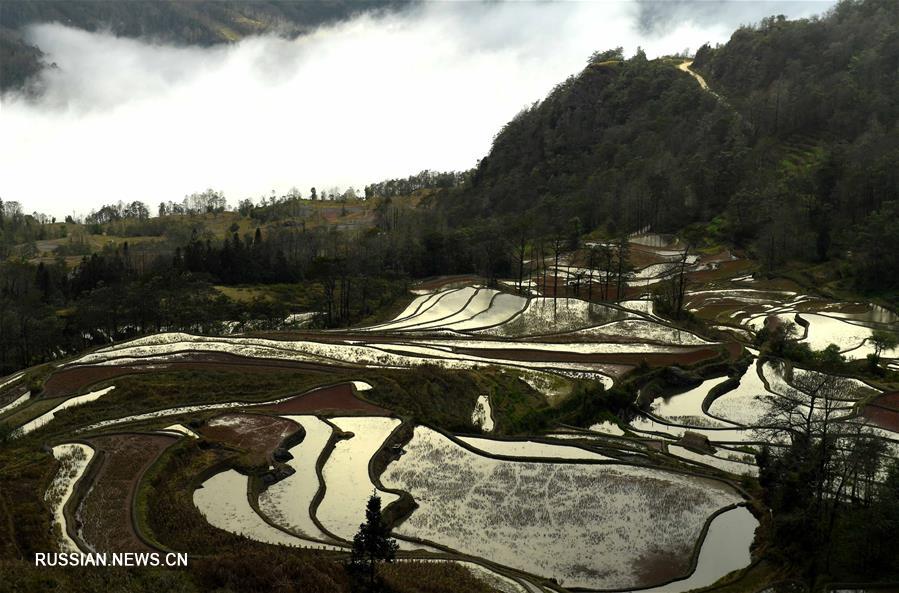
x=863, y=312
x=725, y=549
x=651, y=240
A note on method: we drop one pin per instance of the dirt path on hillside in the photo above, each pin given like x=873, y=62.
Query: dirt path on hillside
x=685, y=67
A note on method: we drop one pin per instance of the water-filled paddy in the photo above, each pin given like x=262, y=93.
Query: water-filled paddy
x=222, y=499
x=553, y=509
x=73, y=459
x=347, y=481
x=48, y=417
x=725, y=549
x=586, y=525
x=482, y=416
x=686, y=408
x=521, y=448
x=287, y=502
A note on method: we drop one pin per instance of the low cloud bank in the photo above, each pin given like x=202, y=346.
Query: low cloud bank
x=368, y=99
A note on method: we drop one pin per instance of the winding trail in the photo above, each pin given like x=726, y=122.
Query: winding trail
x=685, y=67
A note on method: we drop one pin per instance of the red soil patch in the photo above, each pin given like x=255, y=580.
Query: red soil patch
x=339, y=398
x=106, y=510
x=888, y=400
x=70, y=380
x=641, y=256
x=882, y=417
x=252, y=432
x=734, y=350
x=884, y=411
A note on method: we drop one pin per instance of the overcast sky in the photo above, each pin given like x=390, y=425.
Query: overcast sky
x=365, y=100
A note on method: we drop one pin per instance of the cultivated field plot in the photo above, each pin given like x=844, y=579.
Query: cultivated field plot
x=548, y=336
x=73, y=460
x=522, y=448
x=287, y=502
x=333, y=398
x=595, y=526
x=105, y=512
x=686, y=408
x=252, y=432
x=222, y=499
x=47, y=417
x=619, y=505
x=725, y=549
x=883, y=412
x=742, y=405
x=346, y=474
x=853, y=338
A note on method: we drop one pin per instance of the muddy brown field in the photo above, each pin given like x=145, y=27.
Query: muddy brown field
x=336, y=398
x=106, y=508
x=252, y=432
x=884, y=411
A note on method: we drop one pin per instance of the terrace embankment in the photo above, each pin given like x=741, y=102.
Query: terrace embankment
x=444, y=282
x=683, y=356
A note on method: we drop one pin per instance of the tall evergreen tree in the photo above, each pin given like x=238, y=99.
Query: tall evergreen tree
x=372, y=544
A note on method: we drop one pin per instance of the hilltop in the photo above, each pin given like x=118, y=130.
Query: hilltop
x=790, y=152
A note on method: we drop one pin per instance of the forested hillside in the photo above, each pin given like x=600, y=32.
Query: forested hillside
x=792, y=154
x=819, y=104
x=200, y=23
x=625, y=144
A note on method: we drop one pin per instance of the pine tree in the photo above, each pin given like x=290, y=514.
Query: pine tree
x=372, y=543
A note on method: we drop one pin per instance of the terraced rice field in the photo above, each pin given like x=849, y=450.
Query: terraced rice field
x=346, y=474
x=105, y=511
x=588, y=525
x=608, y=504
x=288, y=502
x=222, y=499
x=526, y=449
x=73, y=460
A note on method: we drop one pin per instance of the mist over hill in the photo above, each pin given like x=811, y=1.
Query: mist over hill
x=287, y=100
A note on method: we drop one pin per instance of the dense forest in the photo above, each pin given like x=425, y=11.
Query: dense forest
x=201, y=23
x=792, y=155
x=818, y=104
x=623, y=145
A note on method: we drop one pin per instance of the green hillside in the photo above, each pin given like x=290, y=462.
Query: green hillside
x=792, y=151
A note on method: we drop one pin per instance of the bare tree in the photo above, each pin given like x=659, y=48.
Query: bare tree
x=821, y=460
